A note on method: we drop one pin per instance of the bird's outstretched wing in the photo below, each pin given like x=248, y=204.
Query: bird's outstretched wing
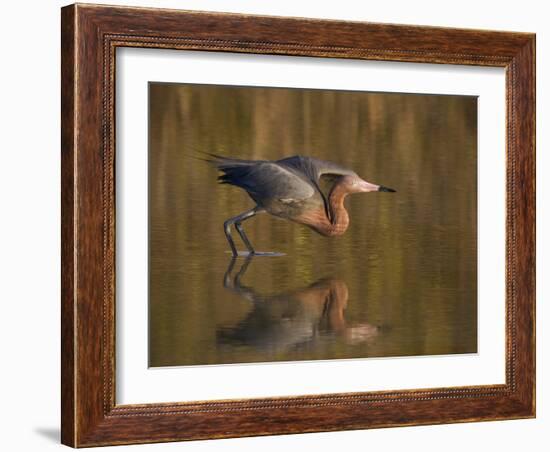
x=314, y=169
x=262, y=179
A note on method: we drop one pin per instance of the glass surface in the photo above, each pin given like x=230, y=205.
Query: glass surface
x=401, y=281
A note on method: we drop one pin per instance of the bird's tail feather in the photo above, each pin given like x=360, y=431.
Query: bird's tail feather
x=221, y=162
x=234, y=170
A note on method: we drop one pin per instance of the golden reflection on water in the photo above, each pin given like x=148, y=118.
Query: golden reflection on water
x=401, y=281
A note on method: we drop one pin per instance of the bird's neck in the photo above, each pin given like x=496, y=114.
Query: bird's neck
x=318, y=220
x=340, y=217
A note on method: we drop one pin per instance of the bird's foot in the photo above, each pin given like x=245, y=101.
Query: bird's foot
x=257, y=253
x=267, y=253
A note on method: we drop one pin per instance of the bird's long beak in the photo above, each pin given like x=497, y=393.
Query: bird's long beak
x=367, y=186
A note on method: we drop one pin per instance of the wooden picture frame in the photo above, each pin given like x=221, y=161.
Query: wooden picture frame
x=90, y=36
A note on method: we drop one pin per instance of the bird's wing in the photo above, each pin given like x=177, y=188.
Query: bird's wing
x=265, y=180
x=270, y=180
x=314, y=169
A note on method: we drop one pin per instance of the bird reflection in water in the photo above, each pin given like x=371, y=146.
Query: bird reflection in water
x=294, y=319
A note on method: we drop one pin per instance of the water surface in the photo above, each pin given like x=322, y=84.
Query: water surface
x=402, y=280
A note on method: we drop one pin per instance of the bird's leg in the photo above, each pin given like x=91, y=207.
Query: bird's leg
x=227, y=230
x=246, y=242
x=237, y=222
x=240, y=230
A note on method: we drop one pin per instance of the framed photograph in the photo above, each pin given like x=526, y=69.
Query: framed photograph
x=281, y=225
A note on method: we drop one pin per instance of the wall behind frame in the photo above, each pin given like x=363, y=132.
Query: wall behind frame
x=29, y=230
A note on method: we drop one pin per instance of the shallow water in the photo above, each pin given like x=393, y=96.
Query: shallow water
x=401, y=281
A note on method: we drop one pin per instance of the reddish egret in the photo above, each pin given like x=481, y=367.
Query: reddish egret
x=289, y=189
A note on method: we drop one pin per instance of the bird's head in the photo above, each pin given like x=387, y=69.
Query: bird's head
x=354, y=184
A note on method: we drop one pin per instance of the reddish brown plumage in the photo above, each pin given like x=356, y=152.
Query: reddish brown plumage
x=317, y=218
